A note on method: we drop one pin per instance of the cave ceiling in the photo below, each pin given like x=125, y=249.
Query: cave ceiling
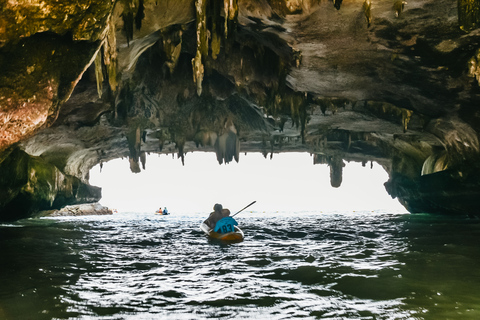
x=357, y=80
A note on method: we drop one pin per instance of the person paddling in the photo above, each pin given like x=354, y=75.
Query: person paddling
x=217, y=214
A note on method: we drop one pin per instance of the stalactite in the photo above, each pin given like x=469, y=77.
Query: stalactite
x=215, y=44
x=367, y=6
x=226, y=6
x=143, y=159
x=406, y=116
x=230, y=10
x=468, y=14
x=227, y=145
x=110, y=55
x=202, y=44
x=297, y=56
x=172, y=46
x=205, y=138
x=134, y=144
x=334, y=108
x=140, y=15
x=264, y=146
x=336, y=165
x=202, y=8
x=180, y=145
x=323, y=107
x=294, y=112
x=337, y=4
x=128, y=19
x=398, y=6
x=215, y=32
x=390, y=112
x=303, y=118
x=202, y=31
x=99, y=73
x=474, y=66
x=198, y=71
x=162, y=136
x=132, y=15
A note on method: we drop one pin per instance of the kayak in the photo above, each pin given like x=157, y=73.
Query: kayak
x=235, y=236
x=161, y=213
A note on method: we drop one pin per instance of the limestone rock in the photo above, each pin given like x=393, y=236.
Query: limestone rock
x=382, y=81
x=29, y=184
x=88, y=209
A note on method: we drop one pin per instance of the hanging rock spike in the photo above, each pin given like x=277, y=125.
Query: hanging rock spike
x=110, y=55
x=202, y=44
x=98, y=72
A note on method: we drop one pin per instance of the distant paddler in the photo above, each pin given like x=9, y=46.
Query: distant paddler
x=159, y=211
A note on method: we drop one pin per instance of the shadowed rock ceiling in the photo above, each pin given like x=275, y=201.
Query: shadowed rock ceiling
x=84, y=82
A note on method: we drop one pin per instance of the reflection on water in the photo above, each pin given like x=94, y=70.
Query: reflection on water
x=303, y=265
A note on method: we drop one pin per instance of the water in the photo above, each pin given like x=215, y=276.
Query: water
x=359, y=265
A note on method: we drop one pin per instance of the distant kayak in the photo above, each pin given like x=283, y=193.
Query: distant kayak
x=234, y=236
x=162, y=213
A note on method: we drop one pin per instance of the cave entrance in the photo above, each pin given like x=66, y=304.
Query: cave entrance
x=289, y=182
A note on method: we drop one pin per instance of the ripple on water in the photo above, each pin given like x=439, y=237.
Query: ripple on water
x=311, y=266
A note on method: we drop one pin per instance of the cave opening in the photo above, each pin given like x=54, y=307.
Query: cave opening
x=287, y=183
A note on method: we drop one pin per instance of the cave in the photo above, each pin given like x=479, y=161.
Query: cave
x=392, y=82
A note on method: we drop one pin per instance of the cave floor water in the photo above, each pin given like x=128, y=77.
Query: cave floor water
x=329, y=265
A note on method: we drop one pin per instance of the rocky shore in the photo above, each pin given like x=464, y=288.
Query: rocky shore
x=87, y=209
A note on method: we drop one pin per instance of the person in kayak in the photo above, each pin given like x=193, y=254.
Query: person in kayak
x=217, y=214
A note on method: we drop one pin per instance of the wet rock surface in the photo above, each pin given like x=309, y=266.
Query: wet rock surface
x=383, y=81
x=29, y=184
x=78, y=210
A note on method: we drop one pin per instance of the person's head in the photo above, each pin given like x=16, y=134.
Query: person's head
x=217, y=208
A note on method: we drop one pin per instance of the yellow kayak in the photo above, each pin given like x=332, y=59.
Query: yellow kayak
x=235, y=236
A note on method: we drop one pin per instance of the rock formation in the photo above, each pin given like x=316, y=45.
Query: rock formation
x=88, y=81
x=78, y=210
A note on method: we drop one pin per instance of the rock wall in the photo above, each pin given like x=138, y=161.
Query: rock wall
x=29, y=184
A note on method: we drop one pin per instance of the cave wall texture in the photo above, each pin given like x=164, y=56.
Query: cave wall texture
x=84, y=82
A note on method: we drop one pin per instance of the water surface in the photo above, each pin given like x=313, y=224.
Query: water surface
x=308, y=265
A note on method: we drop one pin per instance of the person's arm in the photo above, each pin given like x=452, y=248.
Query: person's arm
x=208, y=221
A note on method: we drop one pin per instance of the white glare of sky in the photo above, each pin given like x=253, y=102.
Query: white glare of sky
x=290, y=182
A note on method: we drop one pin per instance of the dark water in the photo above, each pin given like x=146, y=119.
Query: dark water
x=309, y=266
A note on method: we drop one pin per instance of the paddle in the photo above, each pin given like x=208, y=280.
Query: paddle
x=243, y=208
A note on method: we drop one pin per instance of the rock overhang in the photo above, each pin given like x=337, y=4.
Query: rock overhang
x=355, y=80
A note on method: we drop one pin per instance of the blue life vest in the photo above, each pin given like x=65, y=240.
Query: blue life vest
x=225, y=225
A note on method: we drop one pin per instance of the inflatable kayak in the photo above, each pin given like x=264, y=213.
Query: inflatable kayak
x=161, y=213
x=234, y=236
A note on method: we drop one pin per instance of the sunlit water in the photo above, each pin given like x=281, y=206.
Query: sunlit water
x=359, y=265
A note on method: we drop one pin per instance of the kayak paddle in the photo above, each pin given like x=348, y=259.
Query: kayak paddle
x=244, y=208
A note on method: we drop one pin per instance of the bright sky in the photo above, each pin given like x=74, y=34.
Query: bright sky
x=288, y=182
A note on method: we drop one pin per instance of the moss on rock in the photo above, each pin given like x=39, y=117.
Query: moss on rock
x=29, y=184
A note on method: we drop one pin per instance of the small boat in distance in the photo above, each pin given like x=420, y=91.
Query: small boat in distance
x=163, y=212
x=234, y=236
